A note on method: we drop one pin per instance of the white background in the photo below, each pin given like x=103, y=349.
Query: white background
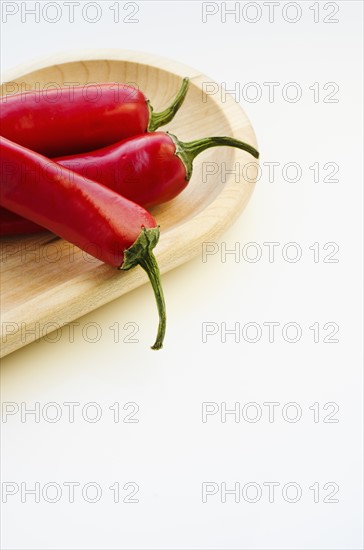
x=170, y=452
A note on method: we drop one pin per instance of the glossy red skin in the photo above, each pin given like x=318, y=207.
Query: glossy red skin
x=143, y=169
x=89, y=215
x=66, y=120
x=12, y=224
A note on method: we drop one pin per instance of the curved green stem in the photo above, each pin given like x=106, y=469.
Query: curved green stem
x=140, y=253
x=160, y=119
x=187, y=152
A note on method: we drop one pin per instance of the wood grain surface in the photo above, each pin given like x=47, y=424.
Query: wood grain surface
x=47, y=282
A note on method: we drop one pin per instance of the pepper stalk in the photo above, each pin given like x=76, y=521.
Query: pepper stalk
x=188, y=151
x=140, y=253
x=160, y=119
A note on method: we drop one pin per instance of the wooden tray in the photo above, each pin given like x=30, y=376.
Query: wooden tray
x=46, y=283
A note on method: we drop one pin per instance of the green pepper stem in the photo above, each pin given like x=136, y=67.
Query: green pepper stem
x=187, y=152
x=149, y=264
x=160, y=119
x=140, y=253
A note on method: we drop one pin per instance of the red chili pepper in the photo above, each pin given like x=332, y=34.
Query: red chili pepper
x=64, y=121
x=149, y=169
x=12, y=224
x=89, y=215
